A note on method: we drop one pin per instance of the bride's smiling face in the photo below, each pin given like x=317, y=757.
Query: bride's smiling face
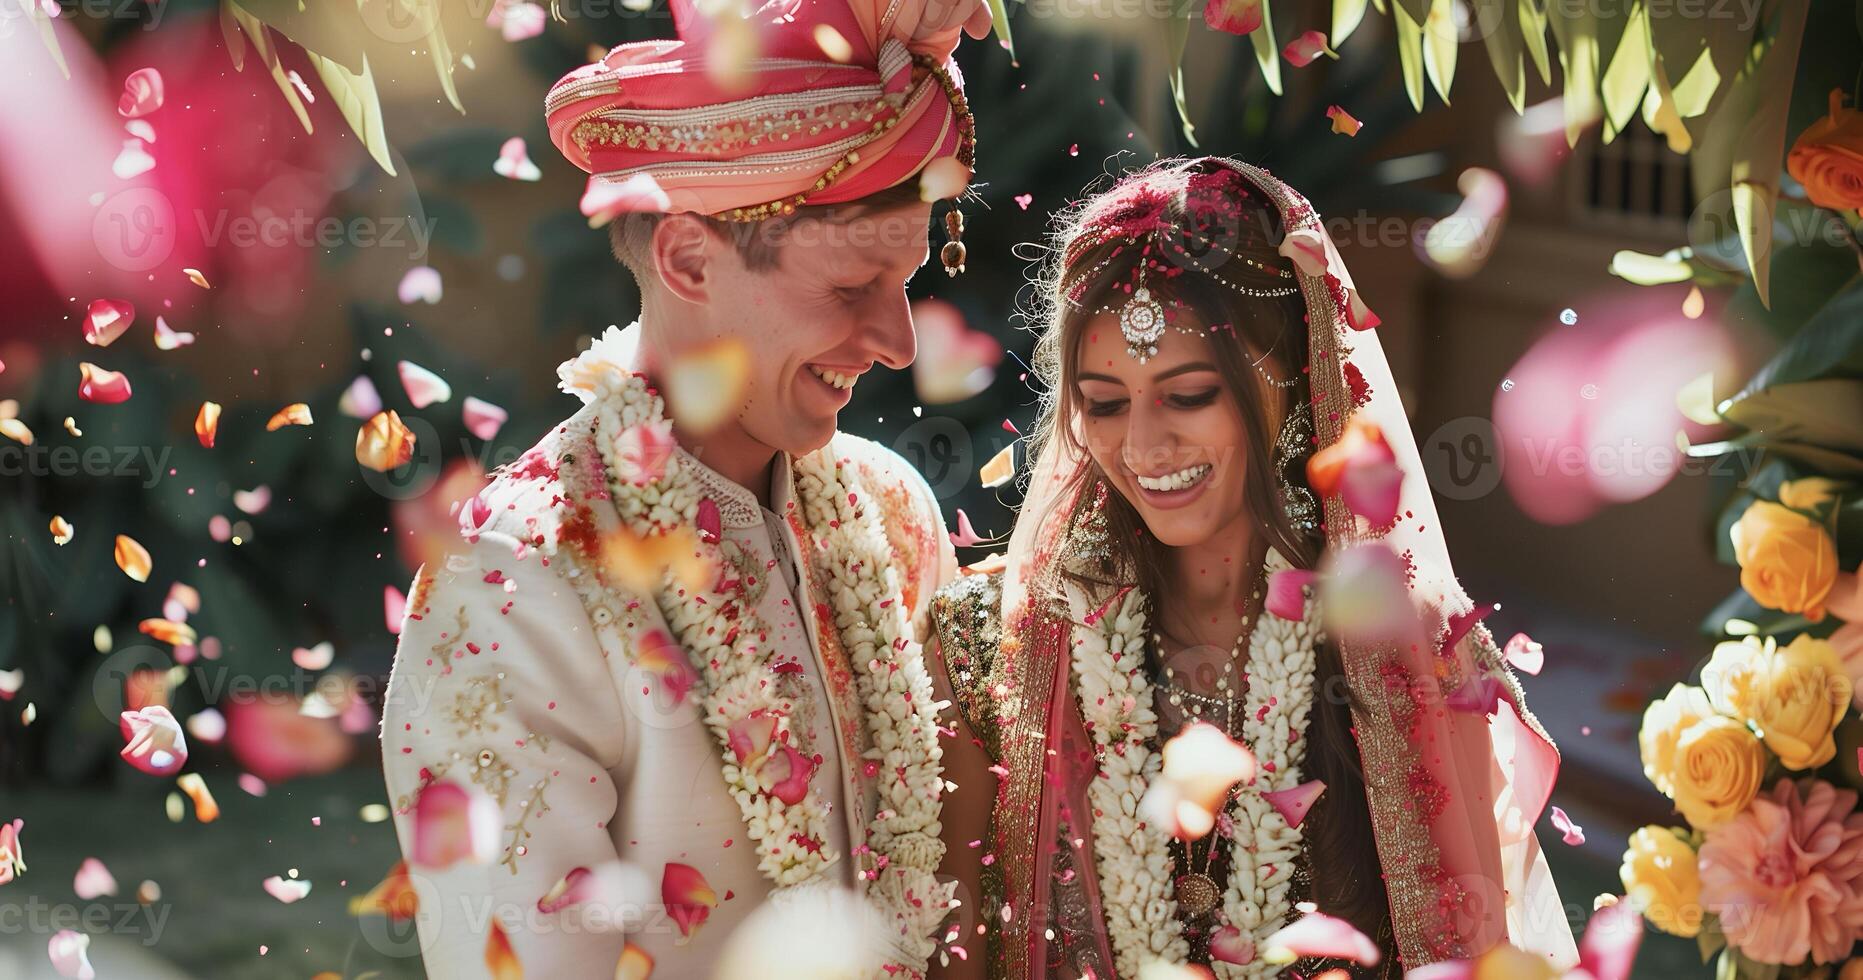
x=1168, y=433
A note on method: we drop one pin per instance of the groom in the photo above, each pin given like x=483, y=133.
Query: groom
x=675, y=669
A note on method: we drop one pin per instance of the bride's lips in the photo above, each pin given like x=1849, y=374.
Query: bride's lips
x=1172, y=499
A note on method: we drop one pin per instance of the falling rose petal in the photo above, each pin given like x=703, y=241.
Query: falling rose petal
x=15, y=430
x=1287, y=593
x=1362, y=469
x=1459, y=245
x=253, y=785
x=641, y=563
x=133, y=558
x=688, y=897
x=140, y=129
x=196, y=277
x=785, y=774
x=965, y=536
x=93, y=880
x=517, y=20
x=1301, y=51
x=423, y=387
x=286, y=890
x=514, y=161
x=1000, y=469
x=1320, y=935
x=635, y=964
x=153, y=742
x=384, y=442
x=166, y=338
x=706, y=387
x=708, y=520
x=1694, y=304
x=207, y=725
x=207, y=423
x=360, y=400
x=70, y=954
x=604, y=200
x=943, y=179
x=1574, y=834
x=107, y=319
x=318, y=657
x=1365, y=594
x=642, y=452
x=1294, y=802
x=571, y=889
x=182, y=601
x=1201, y=764
x=1609, y=945
x=142, y=94
x=1230, y=946
x=454, y=823
x=205, y=809
x=835, y=46
x=1024, y=200
x=393, y=897
x=500, y=959
x=666, y=661
x=168, y=631
x=10, y=683
x=1343, y=122
x=749, y=738
x=483, y=419
x=253, y=501
x=100, y=386
x=133, y=160
x=1233, y=16
x=954, y=362
x=62, y=530
x=420, y=284
x=1524, y=654
x=296, y=413
x=394, y=608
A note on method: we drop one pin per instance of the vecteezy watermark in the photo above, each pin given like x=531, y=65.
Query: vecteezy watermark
x=138, y=229
x=148, y=463
x=17, y=15
x=34, y=916
x=1465, y=459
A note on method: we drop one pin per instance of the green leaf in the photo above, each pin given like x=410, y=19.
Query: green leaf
x=1830, y=344
x=1410, y=54
x=1761, y=150
x=1498, y=23
x=1346, y=17
x=1267, y=53
x=1822, y=412
x=333, y=30
x=1177, y=33
x=356, y=98
x=268, y=55
x=1628, y=75
x=1710, y=938
x=999, y=16
x=1533, y=34
x=1439, y=47
x=442, y=56
x=1417, y=9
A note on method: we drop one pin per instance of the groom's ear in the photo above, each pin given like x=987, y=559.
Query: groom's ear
x=682, y=250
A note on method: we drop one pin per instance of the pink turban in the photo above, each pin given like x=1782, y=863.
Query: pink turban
x=791, y=126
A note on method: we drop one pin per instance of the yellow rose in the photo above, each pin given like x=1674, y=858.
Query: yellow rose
x=1787, y=560
x=1718, y=766
x=1828, y=158
x=1795, y=695
x=1663, y=724
x=1810, y=493
x=1661, y=878
x=1853, y=969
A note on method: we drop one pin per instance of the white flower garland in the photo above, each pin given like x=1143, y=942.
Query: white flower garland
x=1133, y=864
x=903, y=848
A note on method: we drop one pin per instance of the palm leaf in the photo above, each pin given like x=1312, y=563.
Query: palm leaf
x=1410, y=54
x=1761, y=150
x=1267, y=53
x=356, y=98
x=1439, y=47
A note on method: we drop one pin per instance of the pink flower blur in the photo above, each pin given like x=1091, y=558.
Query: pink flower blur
x=1786, y=875
x=274, y=741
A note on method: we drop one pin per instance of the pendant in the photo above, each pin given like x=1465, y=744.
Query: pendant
x=1196, y=894
x=1141, y=320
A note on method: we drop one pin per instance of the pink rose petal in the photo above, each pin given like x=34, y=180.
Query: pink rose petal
x=604, y=200
x=1230, y=946
x=750, y=737
x=514, y=161
x=1524, y=654
x=70, y=954
x=420, y=284
x=140, y=129
x=1233, y=16
x=965, y=536
x=153, y=741
x=142, y=93
x=1344, y=123
x=100, y=386
x=207, y=725
x=93, y=880
x=318, y=657
x=1294, y=802
x=133, y=160
x=1609, y=946
x=785, y=774
x=453, y=823
x=517, y=20
x=1574, y=834
x=688, y=897
x=665, y=660
x=12, y=853
x=955, y=362
x=360, y=400
x=1024, y=200
x=106, y=319
x=423, y=387
x=709, y=520
x=1287, y=593
x=253, y=501
x=167, y=338
x=606, y=885
x=483, y=419
x=286, y=890
x=1321, y=935
x=1301, y=51
x=394, y=608
x=642, y=452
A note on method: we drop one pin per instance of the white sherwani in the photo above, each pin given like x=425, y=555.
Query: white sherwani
x=504, y=677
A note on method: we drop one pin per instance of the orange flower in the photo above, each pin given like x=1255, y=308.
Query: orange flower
x=1787, y=561
x=1828, y=158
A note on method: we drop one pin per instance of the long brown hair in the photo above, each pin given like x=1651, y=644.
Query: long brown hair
x=1235, y=239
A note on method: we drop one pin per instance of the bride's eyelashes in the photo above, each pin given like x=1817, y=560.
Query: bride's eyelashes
x=1192, y=400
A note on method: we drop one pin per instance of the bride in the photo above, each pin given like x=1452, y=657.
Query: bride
x=1201, y=340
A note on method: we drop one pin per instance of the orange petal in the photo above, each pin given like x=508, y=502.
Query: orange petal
x=195, y=277
x=296, y=413
x=205, y=809
x=168, y=631
x=706, y=387
x=133, y=558
x=394, y=897
x=1343, y=121
x=384, y=442
x=634, y=964
x=16, y=430
x=1000, y=469
x=61, y=530
x=834, y=45
x=500, y=959
x=207, y=423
